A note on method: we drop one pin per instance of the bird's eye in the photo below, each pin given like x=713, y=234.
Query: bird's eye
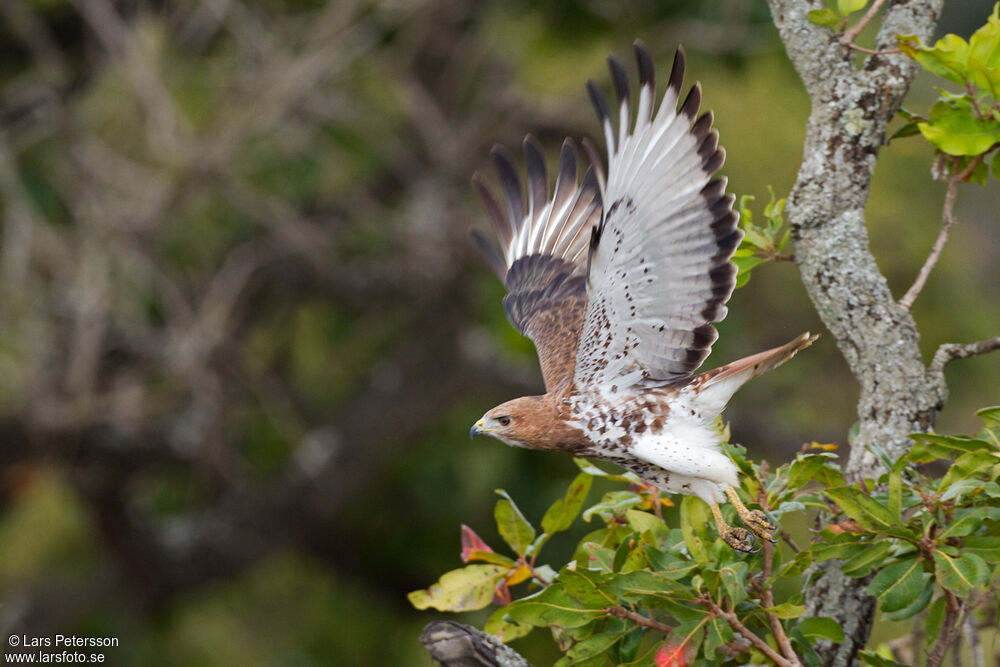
x=504, y=421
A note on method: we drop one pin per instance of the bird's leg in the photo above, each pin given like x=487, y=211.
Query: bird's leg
x=755, y=520
x=738, y=538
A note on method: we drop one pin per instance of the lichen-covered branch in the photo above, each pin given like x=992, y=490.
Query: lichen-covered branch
x=851, y=108
x=459, y=645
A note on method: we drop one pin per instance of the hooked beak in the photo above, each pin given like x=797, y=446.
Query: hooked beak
x=476, y=429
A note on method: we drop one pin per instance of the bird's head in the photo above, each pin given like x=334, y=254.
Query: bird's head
x=522, y=422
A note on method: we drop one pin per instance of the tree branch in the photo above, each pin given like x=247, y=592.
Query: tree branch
x=850, y=112
x=458, y=645
x=950, y=629
x=638, y=619
x=947, y=222
x=847, y=39
x=734, y=622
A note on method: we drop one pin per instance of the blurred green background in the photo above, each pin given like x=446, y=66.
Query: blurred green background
x=243, y=334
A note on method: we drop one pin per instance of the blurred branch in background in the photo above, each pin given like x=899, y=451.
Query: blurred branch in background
x=185, y=189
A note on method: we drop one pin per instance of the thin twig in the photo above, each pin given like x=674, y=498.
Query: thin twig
x=637, y=618
x=947, y=221
x=949, y=630
x=887, y=52
x=734, y=622
x=847, y=38
x=766, y=596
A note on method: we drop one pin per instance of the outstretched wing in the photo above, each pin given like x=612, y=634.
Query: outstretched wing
x=659, y=261
x=543, y=252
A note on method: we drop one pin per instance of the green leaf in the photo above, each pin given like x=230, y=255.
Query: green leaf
x=563, y=512
x=598, y=556
x=643, y=521
x=717, y=633
x=819, y=626
x=862, y=508
x=984, y=54
x=797, y=565
x=633, y=586
x=694, y=514
x=846, y=7
x=846, y=548
x=960, y=575
x=896, y=493
x=967, y=520
x=935, y=617
x=613, y=504
x=598, y=644
x=898, y=585
x=918, y=604
x=959, y=131
x=871, y=558
x=905, y=130
x=986, y=547
x=870, y=658
x=947, y=58
x=786, y=610
x=591, y=469
x=970, y=465
x=513, y=527
x=551, y=607
x=585, y=587
x=824, y=17
x=931, y=446
x=991, y=416
x=733, y=578
x=819, y=467
x=502, y=626
x=465, y=589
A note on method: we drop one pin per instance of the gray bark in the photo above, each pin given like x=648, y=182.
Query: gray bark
x=851, y=108
x=459, y=645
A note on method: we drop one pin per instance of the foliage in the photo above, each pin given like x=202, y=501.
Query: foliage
x=761, y=243
x=963, y=124
x=639, y=590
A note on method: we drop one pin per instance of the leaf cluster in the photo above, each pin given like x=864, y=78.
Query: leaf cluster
x=762, y=243
x=638, y=590
x=963, y=124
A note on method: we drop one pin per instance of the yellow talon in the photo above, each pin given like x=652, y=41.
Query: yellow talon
x=738, y=538
x=755, y=520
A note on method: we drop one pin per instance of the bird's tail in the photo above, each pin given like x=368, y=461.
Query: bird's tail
x=718, y=385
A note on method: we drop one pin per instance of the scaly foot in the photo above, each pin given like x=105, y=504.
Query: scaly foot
x=755, y=520
x=740, y=539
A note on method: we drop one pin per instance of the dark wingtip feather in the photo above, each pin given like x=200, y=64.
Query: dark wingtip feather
x=600, y=104
x=489, y=252
x=620, y=78
x=567, y=162
x=538, y=178
x=692, y=102
x=712, y=154
x=677, y=70
x=501, y=224
x=647, y=70
x=503, y=160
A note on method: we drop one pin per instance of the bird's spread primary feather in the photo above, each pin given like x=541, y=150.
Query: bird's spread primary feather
x=617, y=281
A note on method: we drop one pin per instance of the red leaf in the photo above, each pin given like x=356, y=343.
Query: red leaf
x=472, y=543
x=501, y=595
x=669, y=655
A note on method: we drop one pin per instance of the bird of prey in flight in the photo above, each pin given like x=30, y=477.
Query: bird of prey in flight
x=617, y=281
